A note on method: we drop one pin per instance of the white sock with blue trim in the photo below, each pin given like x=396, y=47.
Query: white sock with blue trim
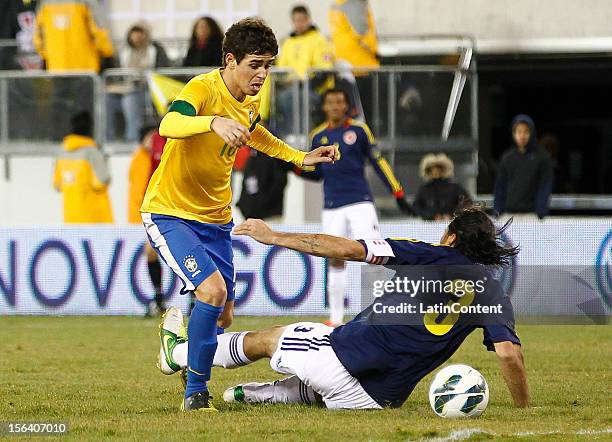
x=290, y=390
x=230, y=350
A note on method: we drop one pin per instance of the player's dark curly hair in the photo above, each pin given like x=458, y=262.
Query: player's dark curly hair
x=478, y=238
x=249, y=36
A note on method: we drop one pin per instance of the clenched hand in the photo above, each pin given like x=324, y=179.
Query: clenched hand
x=230, y=131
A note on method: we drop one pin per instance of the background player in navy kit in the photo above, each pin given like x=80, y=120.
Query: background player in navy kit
x=348, y=209
x=365, y=363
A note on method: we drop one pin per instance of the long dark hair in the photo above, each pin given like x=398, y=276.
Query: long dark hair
x=215, y=30
x=478, y=238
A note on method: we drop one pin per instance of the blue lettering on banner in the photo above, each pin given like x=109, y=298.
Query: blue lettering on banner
x=603, y=269
x=269, y=287
x=9, y=289
x=248, y=278
x=51, y=301
x=102, y=292
x=136, y=289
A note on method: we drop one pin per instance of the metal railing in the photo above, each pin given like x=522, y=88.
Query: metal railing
x=36, y=106
x=405, y=106
x=412, y=111
x=280, y=79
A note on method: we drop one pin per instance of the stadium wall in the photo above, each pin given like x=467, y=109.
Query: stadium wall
x=483, y=19
x=28, y=197
x=565, y=267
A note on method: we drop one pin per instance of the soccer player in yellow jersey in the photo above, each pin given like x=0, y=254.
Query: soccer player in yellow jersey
x=186, y=210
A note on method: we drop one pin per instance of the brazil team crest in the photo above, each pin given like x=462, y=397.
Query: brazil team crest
x=190, y=263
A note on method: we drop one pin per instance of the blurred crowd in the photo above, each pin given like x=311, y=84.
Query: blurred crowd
x=73, y=35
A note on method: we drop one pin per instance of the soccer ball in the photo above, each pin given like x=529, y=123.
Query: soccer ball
x=458, y=391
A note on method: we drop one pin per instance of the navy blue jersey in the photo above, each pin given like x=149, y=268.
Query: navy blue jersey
x=344, y=182
x=389, y=359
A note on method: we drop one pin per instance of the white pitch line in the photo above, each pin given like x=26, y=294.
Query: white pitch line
x=467, y=433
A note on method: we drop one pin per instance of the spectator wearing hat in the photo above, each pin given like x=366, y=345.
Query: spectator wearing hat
x=438, y=196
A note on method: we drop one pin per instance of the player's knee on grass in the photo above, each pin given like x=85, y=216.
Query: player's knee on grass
x=212, y=290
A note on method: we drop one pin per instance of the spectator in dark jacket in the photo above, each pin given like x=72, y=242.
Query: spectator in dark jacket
x=525, y=177
x=439, y=196
x=205, y=46
x=263, y=187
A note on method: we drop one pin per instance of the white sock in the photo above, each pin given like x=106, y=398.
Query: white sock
x=290, y=390
x=230, y=350
x=336, y=288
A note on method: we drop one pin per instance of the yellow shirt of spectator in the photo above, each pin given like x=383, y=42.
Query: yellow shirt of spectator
x=82, y=175
x=308, y=50
x=193, y=179
x=69, y=35
x=353, y=33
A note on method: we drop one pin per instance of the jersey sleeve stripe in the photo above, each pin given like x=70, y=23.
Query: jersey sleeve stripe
x=316, y=131
x=183, y=108
x=386, y=170
x=366, y=129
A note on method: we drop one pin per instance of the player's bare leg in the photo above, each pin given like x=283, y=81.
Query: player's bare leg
x=242, y=348
x=291, y=390
x=336, y=290
x=234, y=349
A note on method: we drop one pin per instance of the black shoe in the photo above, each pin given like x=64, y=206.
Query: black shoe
x=198, y=401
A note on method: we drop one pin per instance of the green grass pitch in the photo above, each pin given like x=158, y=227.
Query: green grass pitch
x=99, y=375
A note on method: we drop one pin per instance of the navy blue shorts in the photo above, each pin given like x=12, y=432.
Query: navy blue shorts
x=193, y=250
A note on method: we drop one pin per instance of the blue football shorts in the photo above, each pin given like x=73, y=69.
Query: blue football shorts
x=193, y=250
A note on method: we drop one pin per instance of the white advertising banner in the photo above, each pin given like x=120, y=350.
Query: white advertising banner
x=102, y=270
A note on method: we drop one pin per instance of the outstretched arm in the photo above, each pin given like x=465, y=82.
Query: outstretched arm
x=327, y=246
x=265, y=142
x=513, y=370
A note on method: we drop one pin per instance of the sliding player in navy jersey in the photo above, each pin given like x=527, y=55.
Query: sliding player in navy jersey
x=367, y=363
x=349, y=206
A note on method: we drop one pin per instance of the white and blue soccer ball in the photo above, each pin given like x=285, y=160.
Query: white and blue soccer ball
x=458, y=391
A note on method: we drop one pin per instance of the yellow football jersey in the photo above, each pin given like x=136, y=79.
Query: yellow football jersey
x=193, y=178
